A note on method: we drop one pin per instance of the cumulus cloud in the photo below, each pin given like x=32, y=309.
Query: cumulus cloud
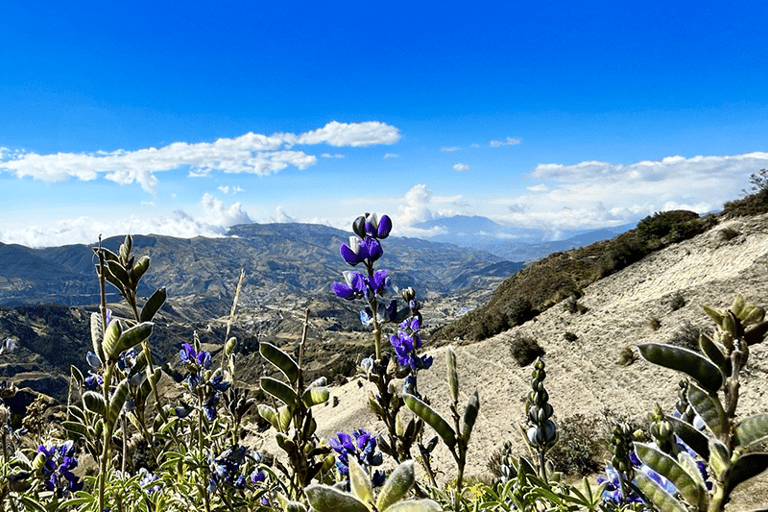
x=250, y=153
x=215, y=219
x=452, y=148
x=281, y=216
x=352, y=134
x=461, y=167
x=510, y=141
x=215, y=213
x=328, y=155
x=390, y=155
x=230, y=190
x=415, y=206
x=538, y=188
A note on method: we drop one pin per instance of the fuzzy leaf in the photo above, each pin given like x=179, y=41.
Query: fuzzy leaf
x=756, y=333
x=359, y=483
x=281, y=360
x=414, y=506
x=94, y=402
x=284, y=417
x=269, y=414
x=738, y=304
x=669, y=468
x=719, y=458
x=661, y=498
x=710, y=349
x=76, y=374
x=152, y=305
x=690, y=436
x=470, y=416
x=139, y=269
x=279, y=390
x=286, y=443
x=117, y=401
x=127, y=339
x=432, y=418
x=118, y=272
x=397, y=485
x=751, y=430
x=315, y=396
x=76, y=428
x=714, y=315
x=708, y=407
x=686, y=361
x=688, y=463
x=97, y=334
x=453, y=376
x=745, y=468
x=327, y=499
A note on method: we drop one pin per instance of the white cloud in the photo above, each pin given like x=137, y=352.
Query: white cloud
x=390, y=155
x=593, y=194
x=415, y=206
x=352, y=134
x=461, y=167
x=281, y=216
x=250, y=153
x=475, y=145
x=216, y=214
x=509, y=142
x=328, y=155
x=230, y=190
x=452, y=148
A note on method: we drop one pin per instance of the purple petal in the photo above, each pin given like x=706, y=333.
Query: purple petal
x=349, y=255
x=343, y=291
x=385, y=226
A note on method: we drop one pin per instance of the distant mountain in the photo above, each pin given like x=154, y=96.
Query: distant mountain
x=508, y=243
x=280, y=260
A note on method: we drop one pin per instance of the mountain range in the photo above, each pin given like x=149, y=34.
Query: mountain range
x=515, y=244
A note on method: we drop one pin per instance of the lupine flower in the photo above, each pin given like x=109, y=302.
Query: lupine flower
x=93, y=360
x=366, y=250
x=148, y=481
x=93, y=381
x=226, y=469
x=362, y=447
x=56, y=464
x=190, y=357
x=353, y=288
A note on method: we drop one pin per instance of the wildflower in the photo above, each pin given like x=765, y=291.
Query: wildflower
x=226, y=468
x=353, y=288
x=191, y=358
x=148, y=480
x=56, y=464
x=362, y=447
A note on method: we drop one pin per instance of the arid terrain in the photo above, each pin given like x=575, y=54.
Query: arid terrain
x=583, y=376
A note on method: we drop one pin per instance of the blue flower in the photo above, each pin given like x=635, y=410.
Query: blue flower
x=361, y=445
x=59, y=461
x=354, y=286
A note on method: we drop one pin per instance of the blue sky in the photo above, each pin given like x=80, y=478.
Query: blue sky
x=184, y=118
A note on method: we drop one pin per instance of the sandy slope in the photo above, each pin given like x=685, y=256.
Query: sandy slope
x=583, y=376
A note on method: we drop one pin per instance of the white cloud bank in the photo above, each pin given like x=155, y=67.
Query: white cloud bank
x=593, y=194
x=214, y=220
x=250, y=153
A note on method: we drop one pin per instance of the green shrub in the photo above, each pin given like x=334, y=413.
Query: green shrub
x=579, y=451
x=626, y=356
x=569, y=336
x=661, y=224
x=754, y=204
x=525, y=349
x=686, y=336
x=677, y=302
x=728, y=234
x=654, y=323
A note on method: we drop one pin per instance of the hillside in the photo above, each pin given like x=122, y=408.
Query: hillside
x=584, y=376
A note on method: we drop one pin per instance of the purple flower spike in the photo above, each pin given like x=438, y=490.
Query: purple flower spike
x=353, y=287
x=371, y=250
